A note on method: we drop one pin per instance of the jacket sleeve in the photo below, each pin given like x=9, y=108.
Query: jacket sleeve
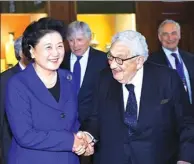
x=185, y=120
x=18, y=110
x=92, y=124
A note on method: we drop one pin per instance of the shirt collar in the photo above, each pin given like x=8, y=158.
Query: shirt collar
x=21, y=66
x=168, y=53
x=85, y=55
x=138, y=78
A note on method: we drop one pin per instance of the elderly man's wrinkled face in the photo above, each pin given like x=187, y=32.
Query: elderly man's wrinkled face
x=79, y=43
x=169, y=36
x=125, y=72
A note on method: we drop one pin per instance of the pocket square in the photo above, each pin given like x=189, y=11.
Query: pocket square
x=164, y=101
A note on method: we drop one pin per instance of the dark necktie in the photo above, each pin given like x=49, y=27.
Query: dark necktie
x=180, y=70
x=77, y=73
x=130, y=115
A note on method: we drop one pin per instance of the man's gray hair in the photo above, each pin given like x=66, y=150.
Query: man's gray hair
x=134, y=40
x=18, y=47
x=78, y=26
x=166, y=22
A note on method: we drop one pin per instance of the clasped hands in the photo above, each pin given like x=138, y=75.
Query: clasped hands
x=83, y=144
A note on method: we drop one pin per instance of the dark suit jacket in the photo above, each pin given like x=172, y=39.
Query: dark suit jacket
x=5, y=133
x=165, y=125
x=188, y=59
x=97, y=61
x=42, y=127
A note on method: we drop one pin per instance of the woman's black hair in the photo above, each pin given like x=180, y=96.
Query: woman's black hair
x=37, y=29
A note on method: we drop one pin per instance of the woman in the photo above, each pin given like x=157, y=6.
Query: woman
x=41, y=103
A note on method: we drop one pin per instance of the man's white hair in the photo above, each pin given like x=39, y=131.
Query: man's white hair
x=167, y=21
x=134, y=40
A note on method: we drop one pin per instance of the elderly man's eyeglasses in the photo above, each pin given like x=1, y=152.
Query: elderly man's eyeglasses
x=117, y=59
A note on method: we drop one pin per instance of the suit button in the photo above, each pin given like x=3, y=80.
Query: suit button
x=62, y=115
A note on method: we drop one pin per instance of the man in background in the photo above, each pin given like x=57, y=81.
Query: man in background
x=85, y=62
x=169, y=34
x=5, y=133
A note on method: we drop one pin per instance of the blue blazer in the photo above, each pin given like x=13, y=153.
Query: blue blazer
x=165, y=126
x=42, y=127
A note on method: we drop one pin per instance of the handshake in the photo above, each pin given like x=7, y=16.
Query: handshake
x=83, y=144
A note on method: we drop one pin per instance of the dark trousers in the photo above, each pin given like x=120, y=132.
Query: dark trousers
x=86, y=159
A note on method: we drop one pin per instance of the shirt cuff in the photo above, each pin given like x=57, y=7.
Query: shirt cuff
x=92, y=138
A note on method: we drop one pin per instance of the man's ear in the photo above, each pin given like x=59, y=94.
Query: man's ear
x=21, y=54
x=159, y=37
x=140, y=62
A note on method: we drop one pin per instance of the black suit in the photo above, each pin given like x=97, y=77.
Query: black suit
x=5, y=133
x=188, y=59
x=97, y=61
x=163, y=105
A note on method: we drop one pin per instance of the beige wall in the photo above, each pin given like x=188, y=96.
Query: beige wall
x=124, y=22
x=103, y=25
x=106, y=25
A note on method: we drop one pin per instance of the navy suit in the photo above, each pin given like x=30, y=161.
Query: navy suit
x=188, y=59
x=5, y=133
x=97, y=61
x=165, y=127
x=42, y=127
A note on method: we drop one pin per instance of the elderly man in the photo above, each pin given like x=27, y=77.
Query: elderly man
x=5, y=133
x=85, y=62
x=169, y=34
x=141, y=109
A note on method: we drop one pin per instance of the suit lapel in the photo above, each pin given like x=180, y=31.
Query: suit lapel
x=88, y=70
x=115, y=93
x=162, y=59
x=38, y=88
x=65, y=89
x=148, y=99
x=66, y=62
x=67, y=65
x=188, y=63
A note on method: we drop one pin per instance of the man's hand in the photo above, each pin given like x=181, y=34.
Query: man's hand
x=80, y=143
x=183, y=162
x=86, y=146
x=89, y=150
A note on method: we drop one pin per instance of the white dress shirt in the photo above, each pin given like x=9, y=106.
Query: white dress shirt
x=137, y=82
x=171, y=59
x=83, y=63
x=21, y=66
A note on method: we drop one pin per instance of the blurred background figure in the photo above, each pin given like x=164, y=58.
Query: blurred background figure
x=11, y=59
x=5, y=133
x=169, y=34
